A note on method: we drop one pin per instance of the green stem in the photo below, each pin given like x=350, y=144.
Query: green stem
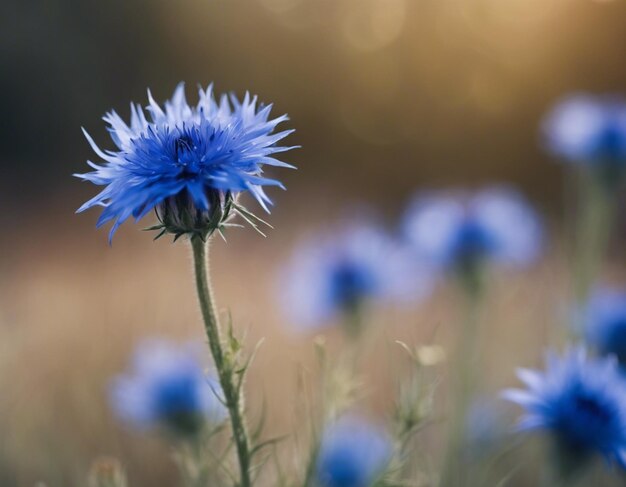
x=223, y=363
x=332, y=406
x=354, y=323
x=454, y=472
x=552, y=477
x=593, y=232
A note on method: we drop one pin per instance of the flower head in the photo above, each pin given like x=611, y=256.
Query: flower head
x=187, y=162
x=604, y=321
x=352, y=453
x=167, y=387
x=588, y=129
x=334, y=275
x=580, y=401
x=462, y=232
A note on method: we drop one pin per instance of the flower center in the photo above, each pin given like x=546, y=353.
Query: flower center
x=592, y=409
x=177, y=403
x=472, y=242
x=186, y=158
x=350, y=284
x=587, y=423
x=345, y=469
x=612, y=143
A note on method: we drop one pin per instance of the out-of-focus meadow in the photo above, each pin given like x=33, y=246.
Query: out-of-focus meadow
x=387, y=96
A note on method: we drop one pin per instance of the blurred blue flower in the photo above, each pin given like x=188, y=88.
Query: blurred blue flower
x=352, y=453
x=580, y=401
x=167, y=387
x=331, y=276
x=588, y=129
x=457, y=232
x=604, y=321
x=189, y=162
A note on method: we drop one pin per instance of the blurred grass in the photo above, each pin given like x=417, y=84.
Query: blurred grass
x=73, y=309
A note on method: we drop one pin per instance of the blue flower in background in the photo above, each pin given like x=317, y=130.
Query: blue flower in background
x=187, y=162
x=588, y=129
x=334, y=275
x=580, y=401
x=352, y=453
x=604, y=321
x=167, y=387
x=457, y=232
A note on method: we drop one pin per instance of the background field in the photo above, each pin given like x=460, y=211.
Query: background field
x=388, y=96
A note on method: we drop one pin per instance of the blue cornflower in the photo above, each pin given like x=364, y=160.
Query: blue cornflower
x=187, y=162
x=581, y=401
x=168, y=387
x=604, y=321
x=588, y=129
x=352, y=453
x=334, y=275
x=461, y=232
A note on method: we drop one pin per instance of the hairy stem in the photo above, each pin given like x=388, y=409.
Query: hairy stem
x=224, y=363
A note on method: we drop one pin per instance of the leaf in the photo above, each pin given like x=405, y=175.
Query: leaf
x=266, y=443
x=406, y=348
x=244, y=211
x=221, y=232
x=153, y=227
x=256, y=434
x=160, y=234
x=242, y=371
